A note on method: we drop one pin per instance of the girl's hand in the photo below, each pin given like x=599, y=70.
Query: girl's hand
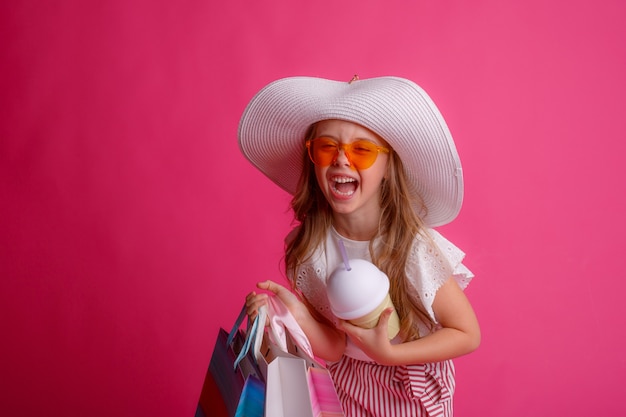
x=458, y=335
x=255, y=300
x=328, y=343
x=373, y=342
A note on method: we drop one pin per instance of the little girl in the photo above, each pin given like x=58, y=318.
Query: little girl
x=371, y=163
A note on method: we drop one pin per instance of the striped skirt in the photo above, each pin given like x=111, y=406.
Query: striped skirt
x=368, y=389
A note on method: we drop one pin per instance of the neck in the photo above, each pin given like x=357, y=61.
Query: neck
x=355, y=229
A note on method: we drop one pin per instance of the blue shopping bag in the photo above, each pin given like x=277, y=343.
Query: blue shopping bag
x=233, y=385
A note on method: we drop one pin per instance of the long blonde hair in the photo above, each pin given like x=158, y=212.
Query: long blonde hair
x=398, y=226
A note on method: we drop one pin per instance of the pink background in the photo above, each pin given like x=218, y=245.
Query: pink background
x=131, y=227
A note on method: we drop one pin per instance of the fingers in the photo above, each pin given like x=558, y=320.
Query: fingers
x=349, y=328
x=383, y=320
x=253, y=302
x=380, y=328
x=272, y=286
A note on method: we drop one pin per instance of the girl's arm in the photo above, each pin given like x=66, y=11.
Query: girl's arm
x=459, y=335
x=327, y=342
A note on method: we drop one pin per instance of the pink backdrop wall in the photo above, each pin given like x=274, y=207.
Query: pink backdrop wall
x=131, y=228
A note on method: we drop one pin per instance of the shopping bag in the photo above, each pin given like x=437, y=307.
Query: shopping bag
x=296, y=383
x=252, y=399
x=210, y=403
x=287, y=391
x=283, y=337
x=233, y=382
x=324, y=399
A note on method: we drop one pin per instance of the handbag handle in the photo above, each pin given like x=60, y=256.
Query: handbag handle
x=254, y=331
x=281, y=322
x=236, y=326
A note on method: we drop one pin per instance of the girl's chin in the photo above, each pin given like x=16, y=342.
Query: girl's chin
x=342, y=206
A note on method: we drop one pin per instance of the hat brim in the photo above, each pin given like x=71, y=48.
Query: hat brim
x=273, y=126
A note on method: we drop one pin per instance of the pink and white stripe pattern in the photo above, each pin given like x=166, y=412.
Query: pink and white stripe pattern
x=367, y=389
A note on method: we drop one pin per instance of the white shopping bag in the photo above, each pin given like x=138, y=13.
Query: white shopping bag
x=287, y=390
x=297, y=385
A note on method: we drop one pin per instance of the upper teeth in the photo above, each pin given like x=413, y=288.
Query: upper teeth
x=343, y=180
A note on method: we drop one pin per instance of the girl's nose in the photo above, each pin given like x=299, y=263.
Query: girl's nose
x=342, y=158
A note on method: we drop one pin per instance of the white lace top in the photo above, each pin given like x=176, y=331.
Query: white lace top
x=427, y=269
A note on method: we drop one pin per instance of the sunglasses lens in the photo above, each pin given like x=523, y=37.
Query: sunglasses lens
x=362, y=154
x=323, y=151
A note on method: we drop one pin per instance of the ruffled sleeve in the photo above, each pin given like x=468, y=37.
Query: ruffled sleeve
x=429, y=267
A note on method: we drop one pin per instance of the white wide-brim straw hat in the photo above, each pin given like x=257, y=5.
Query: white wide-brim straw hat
x=273, y=127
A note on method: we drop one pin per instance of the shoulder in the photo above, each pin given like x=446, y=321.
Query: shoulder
x=427, y=261
x=433, y=261
x=433, y=246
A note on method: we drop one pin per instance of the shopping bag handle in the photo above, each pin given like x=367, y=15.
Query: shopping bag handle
x=236, y=326
x=253, y=333
x=282, y=321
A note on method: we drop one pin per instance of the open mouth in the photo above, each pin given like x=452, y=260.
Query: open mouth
x=344, y=186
